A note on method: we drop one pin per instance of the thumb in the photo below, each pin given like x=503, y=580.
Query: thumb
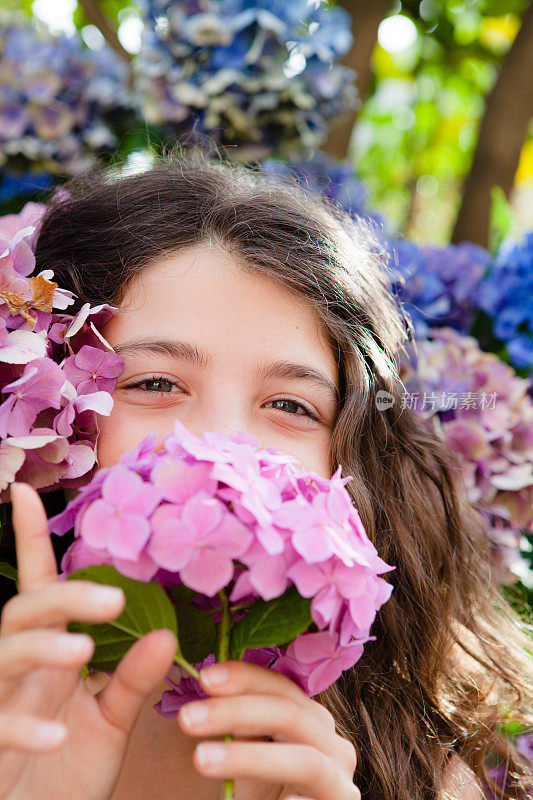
x=137, y=675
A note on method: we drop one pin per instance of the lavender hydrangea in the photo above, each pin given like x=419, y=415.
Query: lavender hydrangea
x=55, y=95
x=336, y=180
x=482, y=409
x=437, y=285
x=259, y=74
x=524, y=744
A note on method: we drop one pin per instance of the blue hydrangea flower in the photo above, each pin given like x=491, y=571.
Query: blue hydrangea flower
x=257, y=74
x=325, y=174
x=437, y=285
x=506, y=294
x=13, y=184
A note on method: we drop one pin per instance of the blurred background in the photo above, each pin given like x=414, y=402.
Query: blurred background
x=417, y=115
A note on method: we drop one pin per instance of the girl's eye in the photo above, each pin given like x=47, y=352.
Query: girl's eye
x=161, y=385
x=298, y=405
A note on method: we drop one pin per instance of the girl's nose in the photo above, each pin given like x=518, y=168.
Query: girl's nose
x=228, y=421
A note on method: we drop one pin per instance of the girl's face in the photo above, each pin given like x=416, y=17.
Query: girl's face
x=220, y=350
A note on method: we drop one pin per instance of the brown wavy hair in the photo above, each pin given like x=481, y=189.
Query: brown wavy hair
x=452, y=659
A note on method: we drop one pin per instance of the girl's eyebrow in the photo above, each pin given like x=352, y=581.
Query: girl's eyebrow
x=200, y=358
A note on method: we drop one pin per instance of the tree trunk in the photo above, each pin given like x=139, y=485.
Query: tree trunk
x=503, y=130
x=366, y=16
x=96, y=17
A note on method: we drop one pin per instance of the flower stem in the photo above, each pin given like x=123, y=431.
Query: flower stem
x=240, y=606
x=222, y=654
x=182, y=662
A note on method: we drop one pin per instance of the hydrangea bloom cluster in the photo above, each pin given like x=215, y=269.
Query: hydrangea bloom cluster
x=328, y=176
x=506, y=294
x=483, y=410
x=15, y=184
x=437, y=285
x=54, y=98
x=258, y=74
x=56, y=370
x=219, y=512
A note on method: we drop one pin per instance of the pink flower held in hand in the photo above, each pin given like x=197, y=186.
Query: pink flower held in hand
x=220, y=516
x=118, y=521
x=203, y=542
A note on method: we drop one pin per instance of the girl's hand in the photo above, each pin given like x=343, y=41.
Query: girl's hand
x=40, y=679
x=306, y=755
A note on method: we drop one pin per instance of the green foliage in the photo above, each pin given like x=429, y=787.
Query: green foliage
x=10, y=6
x=271, y=623
x=502, y=219
x=197, y=631
x=9, y=571
x=422, y=115
x=496, y=8
x=147, y=608
x=113, y=10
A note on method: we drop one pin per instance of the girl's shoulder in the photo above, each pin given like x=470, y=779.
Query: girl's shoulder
x=460, y=782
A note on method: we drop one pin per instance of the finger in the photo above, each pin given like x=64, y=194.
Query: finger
x=242, y=676
x=62, y=602
x=36, y=561
x=304, y=767
x=22, y=652
x=139, y=672
x=30, y=734
x=260, y=715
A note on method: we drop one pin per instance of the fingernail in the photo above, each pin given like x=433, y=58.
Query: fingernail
x=106, y=596
x=48, y=733
x=210, y=755
x=73, y=643
x=194, y=713
x=214, y=676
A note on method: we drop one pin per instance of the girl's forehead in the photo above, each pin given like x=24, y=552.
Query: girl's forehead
x=205, y=296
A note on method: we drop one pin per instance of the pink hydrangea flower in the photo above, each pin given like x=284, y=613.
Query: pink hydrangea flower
x=36, y=344
x=93, y=370
x=38, y=388
x=316, y=660
x=118, y=521
x=220, y=513
x=202, y=542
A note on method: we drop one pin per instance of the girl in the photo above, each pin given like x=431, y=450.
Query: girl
x=248, y=303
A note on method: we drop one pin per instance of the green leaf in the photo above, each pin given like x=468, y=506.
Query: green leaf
x=502, y=222
x=9, y=571
x=271, y=623
x=147, y=608
x=197, y=632
x=182, y=594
